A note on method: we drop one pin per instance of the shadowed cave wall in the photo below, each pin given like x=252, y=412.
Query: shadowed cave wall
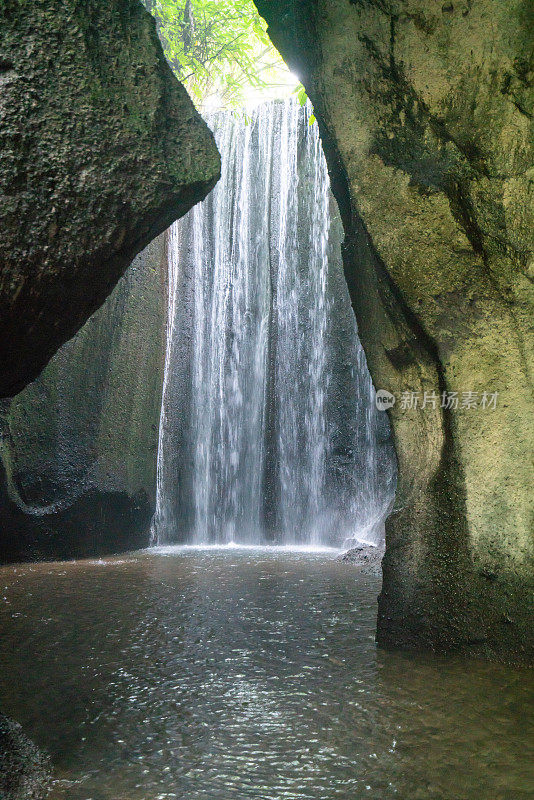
x=79, y=444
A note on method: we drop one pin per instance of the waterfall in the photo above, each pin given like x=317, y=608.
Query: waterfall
x=268, y=430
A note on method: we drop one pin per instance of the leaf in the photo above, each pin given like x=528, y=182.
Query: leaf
x=302, y=97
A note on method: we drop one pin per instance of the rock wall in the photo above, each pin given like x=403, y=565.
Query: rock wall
x=425, y=112
x=79, y=444
x=100, y=150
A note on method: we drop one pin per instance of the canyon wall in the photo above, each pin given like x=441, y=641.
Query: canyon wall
x=79, y=444
x=100, y=150
x=425, y=113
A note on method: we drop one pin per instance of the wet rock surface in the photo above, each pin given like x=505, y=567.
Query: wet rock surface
x=101, y=149
x=425, y=112
x=367, y=557
x=24, y=770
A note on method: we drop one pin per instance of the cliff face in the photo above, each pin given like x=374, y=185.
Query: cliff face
x=79, y=444
x=100, y=150
x=425, y=112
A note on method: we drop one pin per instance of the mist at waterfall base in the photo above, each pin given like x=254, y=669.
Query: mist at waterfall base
x=269, y=432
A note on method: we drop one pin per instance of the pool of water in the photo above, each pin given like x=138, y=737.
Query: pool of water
x=211, y=675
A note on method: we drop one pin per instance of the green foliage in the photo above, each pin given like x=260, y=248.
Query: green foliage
x=218, y=48
x=302, y=97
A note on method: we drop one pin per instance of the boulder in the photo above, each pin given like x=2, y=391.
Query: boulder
x=100, y=150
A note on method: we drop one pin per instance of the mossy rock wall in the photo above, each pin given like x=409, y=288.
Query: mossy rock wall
x=425, y=111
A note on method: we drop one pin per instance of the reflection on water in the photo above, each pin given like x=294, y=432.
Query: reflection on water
x=211, y=675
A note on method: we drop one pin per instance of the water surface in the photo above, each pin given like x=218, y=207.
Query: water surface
x=218, y=674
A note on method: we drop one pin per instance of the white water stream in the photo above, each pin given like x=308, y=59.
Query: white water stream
x=268, y=432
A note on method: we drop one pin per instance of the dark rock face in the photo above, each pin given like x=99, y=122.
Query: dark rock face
x=79, y=444
x=100, y=150
x=24, y=770
x=425, y=113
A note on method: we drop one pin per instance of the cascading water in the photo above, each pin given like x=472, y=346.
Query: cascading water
x=268, y=430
